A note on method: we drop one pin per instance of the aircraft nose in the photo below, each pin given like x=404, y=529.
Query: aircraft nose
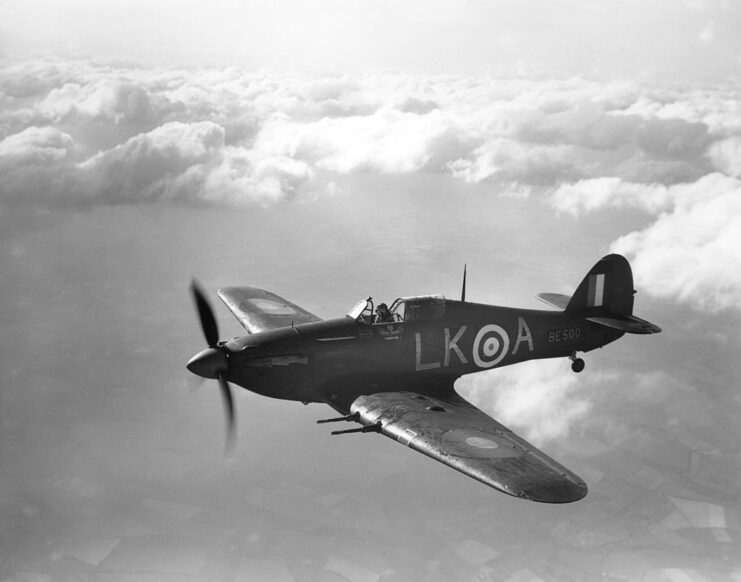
x=208, y=363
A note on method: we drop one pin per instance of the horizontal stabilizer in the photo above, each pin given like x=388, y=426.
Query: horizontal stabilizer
x=554, y=299
x=627, y=323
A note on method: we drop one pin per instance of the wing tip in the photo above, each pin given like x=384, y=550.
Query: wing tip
x=556, y=492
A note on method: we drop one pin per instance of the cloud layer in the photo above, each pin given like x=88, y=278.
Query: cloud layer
x=80, y=133
x=276, y=130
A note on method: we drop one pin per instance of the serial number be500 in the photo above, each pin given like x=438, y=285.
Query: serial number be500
x=563, y=335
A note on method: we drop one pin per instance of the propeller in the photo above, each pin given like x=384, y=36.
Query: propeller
x=206, y=314
x=212, y=362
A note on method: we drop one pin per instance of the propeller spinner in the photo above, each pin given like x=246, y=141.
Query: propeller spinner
x=213, y=362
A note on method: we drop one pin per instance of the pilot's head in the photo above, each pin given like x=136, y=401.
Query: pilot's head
x=382, y=307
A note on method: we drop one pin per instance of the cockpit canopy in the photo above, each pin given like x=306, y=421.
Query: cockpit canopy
x=362, y=311
x=404, y=309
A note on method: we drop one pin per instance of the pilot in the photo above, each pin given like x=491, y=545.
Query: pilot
x=383, y=315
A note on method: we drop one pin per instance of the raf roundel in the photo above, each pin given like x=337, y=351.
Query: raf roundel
x=490, y=346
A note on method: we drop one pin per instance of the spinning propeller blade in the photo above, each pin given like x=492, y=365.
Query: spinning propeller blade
x=226, y=394
x=206, y=314
x=213, y=362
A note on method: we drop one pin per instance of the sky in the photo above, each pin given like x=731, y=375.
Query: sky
x=687, y=39
x=328, y=151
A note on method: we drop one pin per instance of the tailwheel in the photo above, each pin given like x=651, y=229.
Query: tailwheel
x=577, y=364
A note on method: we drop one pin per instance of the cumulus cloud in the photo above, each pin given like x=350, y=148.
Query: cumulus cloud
x=389, y=141
x=716, y=107
x=590, y=195
x=228, y=136
x=244, y=176
x=144, y=167
x=178, y=162
x=541, y=399
x=726, y=155
x=189, y=162
x=117, y=100
x=510, y=161
x=35, y=78
x=36, y=145
x=692, y=252
x=34, y=164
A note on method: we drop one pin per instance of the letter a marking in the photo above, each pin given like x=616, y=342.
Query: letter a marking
x=523, y=334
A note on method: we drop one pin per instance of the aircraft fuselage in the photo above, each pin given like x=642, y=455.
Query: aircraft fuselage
x=334, y=360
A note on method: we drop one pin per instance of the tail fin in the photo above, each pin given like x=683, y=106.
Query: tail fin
x=607, y=288
x=605, y=296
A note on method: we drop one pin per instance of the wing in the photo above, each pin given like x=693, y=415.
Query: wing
x=453, y=431
x=258, y=310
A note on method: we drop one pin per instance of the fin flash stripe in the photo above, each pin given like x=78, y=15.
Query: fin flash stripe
x=596, y=290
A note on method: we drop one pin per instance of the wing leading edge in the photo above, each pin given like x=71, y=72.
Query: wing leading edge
x=259, y=310
x=453, y=431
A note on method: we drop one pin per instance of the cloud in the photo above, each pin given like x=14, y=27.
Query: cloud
x=147, y=166
x=590, y=195
x=176, y=162
x=243, y=177
x=508, y=160
x=35, y=78
x=232, y=137
x=716, y=107
x=189, y=162
x=524, y=132
x=726, y=155
x=34, y=164
x=389, y=141
x=116, y=100
x=578, y=130
x=542, y=399
x=36, y=145
x=691, y=252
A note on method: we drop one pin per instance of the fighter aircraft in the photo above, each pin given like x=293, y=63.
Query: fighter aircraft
x=392, y=370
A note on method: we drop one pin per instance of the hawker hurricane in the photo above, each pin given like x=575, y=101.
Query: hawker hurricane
x=392, y=370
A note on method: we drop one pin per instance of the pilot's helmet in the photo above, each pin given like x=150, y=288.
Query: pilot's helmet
x=382, y=307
